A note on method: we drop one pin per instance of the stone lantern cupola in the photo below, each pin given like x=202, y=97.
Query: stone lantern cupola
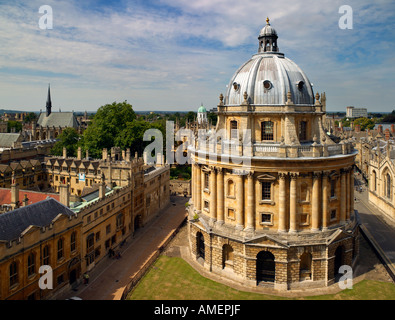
x=268, y=39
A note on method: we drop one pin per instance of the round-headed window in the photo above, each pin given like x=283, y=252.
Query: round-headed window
x=300, y=85
x=267, y=84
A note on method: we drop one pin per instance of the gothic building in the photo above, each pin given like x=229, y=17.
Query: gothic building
x=50, y=124
x=277, y=211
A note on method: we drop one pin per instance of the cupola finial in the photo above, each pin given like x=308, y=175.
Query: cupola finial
x=267, y=20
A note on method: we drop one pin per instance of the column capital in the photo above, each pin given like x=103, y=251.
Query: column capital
x=282, y=175
x=325, y=174
x=294, y=175
x=317, y=174
x=220, y=170
x=250, y=174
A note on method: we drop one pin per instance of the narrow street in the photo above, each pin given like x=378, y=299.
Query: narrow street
x=380, y=227
x=110, y=277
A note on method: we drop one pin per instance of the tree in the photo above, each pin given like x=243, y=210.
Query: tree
x=14, y=125
x=389, y=117
x=364, y=123
x=31, y=117
x=107, y=124
x=70, y=139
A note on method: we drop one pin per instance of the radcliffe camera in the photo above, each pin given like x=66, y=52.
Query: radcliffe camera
x=171, y=153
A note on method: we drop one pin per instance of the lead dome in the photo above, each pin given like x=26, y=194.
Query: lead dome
x=268, y=77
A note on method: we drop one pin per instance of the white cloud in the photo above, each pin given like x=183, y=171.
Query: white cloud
x=162, y=59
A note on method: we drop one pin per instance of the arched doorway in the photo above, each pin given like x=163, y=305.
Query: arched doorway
x=305, y=266
x=339, y=259
x=227, y=256
x=265, y=267
x=200, y=248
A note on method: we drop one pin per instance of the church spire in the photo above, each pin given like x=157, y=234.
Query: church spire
x=49, y=102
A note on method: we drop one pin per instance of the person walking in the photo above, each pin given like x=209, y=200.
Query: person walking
x=86, y=278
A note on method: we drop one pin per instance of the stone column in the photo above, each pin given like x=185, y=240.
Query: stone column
x=240, y=203
x=347, y=174
x=325, y=214
x=315, y=208
x=343, y=192
x=213, y=195
x=282, y=221
x=293, y=203
x=193, y=183
x=250, y=223
x=220, y=196
x=351, y=192
x=198, y=189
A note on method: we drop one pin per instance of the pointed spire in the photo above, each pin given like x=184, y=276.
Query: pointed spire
x=49, y=102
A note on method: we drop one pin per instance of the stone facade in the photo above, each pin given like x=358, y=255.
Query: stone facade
x=278, y=211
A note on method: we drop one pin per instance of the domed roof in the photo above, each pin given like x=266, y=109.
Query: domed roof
x=202, y=109
x=267, y=78
x=267, y=29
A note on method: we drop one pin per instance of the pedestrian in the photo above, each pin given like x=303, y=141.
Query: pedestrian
x=86, y=278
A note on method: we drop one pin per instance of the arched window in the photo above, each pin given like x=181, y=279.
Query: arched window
x=267, y=130
x=46, y=255
x=60, y=249
x=227, y=256
x=13, y=273
x=388, y=186
x=73, y=239
x=374, y=180
x=31, y=264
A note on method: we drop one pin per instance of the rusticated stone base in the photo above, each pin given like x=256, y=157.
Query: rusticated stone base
x=304, y=260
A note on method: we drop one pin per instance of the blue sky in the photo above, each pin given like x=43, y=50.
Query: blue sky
x=176, y=54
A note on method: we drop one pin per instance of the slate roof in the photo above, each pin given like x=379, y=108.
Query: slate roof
x=58, y=119
x=39, y=214
x=7, y=139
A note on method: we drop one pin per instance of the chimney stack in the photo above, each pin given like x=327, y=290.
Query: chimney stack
x=64, y=152
x=102, y=188
x=79, y=153
x=387, y=134
x=25, y=201
x=14, y=193
x=64, y=195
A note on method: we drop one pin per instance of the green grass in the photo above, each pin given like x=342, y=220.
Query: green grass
x=174, y=279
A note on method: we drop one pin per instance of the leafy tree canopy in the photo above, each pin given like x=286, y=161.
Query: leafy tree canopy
x=107, y=124
x=365, y=123
x=70, y=139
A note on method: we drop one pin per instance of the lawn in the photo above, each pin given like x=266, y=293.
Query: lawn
x=174, y=279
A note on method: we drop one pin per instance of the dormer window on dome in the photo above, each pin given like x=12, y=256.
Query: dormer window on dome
x=300, y=85
x=267, y=84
